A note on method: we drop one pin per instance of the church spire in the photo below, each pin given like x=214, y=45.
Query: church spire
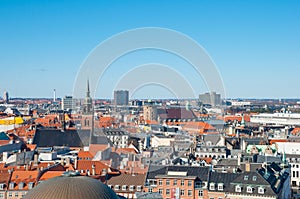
x=88, y=100
x=88, y=88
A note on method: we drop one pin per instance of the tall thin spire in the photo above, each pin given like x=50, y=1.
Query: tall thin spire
x=88, y=88
x=88, y=100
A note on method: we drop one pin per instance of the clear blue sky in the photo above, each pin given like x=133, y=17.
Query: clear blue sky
x=255, y=44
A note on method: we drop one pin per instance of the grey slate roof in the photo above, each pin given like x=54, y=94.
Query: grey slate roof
x=54, y=137
x=213, y=138
x=225, y=178
x=73, y=138
x=253, y=179
x=200, y=172
x=12, y=147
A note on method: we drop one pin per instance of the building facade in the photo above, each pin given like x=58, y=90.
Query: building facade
x=211, y=98
x=121, y=97
x=150, y=113
x=67, y=103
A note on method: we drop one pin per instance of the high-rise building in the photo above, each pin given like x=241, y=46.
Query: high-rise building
x=211, y=98
x=5, y=97
x=121, y=97
x=150, y=112
x=67, y=103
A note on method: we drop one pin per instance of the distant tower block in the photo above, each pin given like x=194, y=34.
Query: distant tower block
x=6, y=97
x=121, y=97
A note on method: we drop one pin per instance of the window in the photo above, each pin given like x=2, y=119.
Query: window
x=238, y=188
x=190, y=193
x=160, y=182
x=189, y=183
x=16, y=194
x=11, y=185
x=1, y=195
x=30, y=185
x=139, y=188
x=246, y=177
x=167, y=182
x=175, y=182
x=110, y=186
x=9, y=194
x=261, y=190
x=160, y=191
x=182, y=182
x=212, y=186
x=254, y=178
x=131, y=187
x=124, y=187
x=21, y=185
x=182, y=192
x=220, y=186
x=117, y=187
x=167, y=191
x=1, y=186
x=150, y=190
x=24, y=193
x=249, y=189
x=200, y=193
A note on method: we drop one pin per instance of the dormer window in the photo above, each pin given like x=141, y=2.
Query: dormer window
x=117, y=187
x=124, y=187
x=21, y=185
x=238, y=188
x=11, y=185
x=139, y=188
x=131, y=188
x=246, y=177
x=254, y=178
x=212, y=186
x=249, y=189
x=261, y=190
x=220, y=186
x=2, y=186
x=30, y=185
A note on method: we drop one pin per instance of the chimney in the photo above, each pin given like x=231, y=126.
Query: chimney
x=5, y=156
x=93, y=170
x=75, y=163
x=247, y=167
x=67, y=161
x=62, y=161
x=104, y=172
x=36, y=160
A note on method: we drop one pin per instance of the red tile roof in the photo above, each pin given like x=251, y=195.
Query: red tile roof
x=85, y=155
x=25, y=177
x=99, y=167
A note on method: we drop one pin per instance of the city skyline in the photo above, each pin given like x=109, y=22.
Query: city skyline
x=254, y=44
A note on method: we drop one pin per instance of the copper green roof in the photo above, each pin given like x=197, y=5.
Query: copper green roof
x=70, y=187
